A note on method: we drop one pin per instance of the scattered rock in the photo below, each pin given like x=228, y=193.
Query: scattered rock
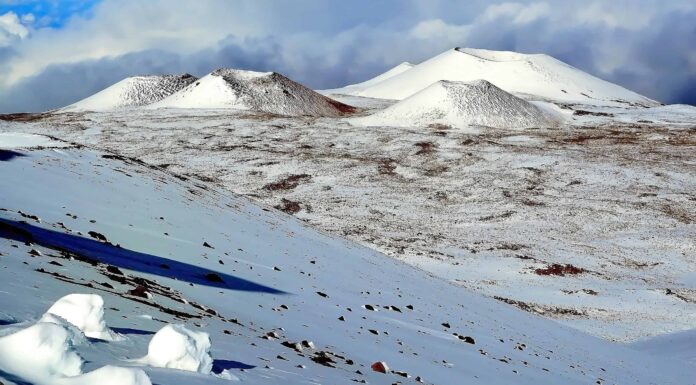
x=380, y=366
x=214, y=277
x=97, y=236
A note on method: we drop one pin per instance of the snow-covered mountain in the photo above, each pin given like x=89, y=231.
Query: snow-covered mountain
x=461, y=104
x=403, y=67
x=529, y=76
x=134, y=91
x=281, y=302
x=256, y=91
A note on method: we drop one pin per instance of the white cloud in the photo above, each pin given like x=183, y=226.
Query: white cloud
x=11, y=28
x=436, y=28
x=319, y=43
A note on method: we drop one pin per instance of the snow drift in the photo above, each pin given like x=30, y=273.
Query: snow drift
x=40, y=351
x=44, y=354
x=176, y=347
x=461, y=104
x=85, y=312
x=133, y=92
x=256, y=91
x=531, y=76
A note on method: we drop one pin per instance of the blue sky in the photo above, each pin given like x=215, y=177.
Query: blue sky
x=55, y=52
x=49, y=13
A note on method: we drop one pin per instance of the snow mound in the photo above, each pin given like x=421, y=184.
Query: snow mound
x=460, y=104
x=44, y=354
x=40, y=351
x=401, y=68
x=133, y=92
x=108, y=375
x=85, y=312
x=17, y=140
x=176, y=347
x=531, y=76
x=256, y=91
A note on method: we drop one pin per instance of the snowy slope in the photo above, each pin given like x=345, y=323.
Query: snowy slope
x=161, y=249
x=531, y=76
x=461, y=104
x=133, y=92
x=353, y=88
x=256, y=91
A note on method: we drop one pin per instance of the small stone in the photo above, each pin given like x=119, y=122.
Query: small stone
x=380, y=366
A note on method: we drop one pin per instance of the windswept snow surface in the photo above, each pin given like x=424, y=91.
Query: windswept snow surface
x=529, y=76
x=281, y=302
x=403, y=67
x=256, y=91
x=461, y=104
x=16, y=140
x=133, y=92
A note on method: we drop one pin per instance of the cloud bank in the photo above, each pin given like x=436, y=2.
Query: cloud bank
x=647, y=46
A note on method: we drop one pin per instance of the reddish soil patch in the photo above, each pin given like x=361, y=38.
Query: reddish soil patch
x=21, y=117
x=288, y=183
x=342, y=107
x=560, y=270
x=288, y=206
x=386, y=167
x=425, y=148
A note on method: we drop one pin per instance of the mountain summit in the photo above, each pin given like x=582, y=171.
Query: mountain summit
x=533, y=77
x=461, y=104
x=134, y=91
x=256, y=91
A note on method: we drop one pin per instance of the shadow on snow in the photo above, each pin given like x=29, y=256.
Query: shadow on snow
x=128, y=259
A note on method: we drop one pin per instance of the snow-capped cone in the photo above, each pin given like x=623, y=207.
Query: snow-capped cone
x=176, y=347
x=537, y=76
x=134, y=91
x=85, y=312
x=461, y=104
x=255, y=91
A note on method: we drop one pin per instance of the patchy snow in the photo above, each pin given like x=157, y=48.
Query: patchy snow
x=133, y=92
x=461, y=105
x=283, y=303
x=84, y=311
x=18, y=140
x=256, y=91
x=529, y=76
x=176, y=347
x=484, y=211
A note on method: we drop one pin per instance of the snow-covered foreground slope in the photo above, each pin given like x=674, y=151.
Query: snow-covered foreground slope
x=529, y=76
x=256, y=91
x=134, y=91
x=461, y=105
x=163, y=249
